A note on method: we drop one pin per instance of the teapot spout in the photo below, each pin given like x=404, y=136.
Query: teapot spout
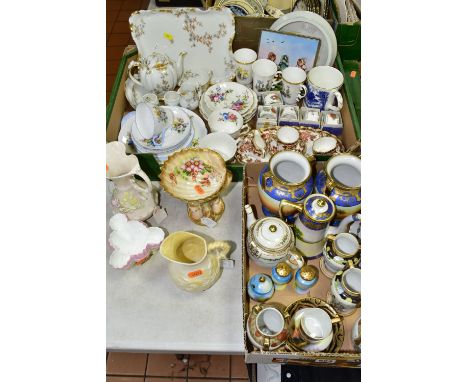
x=180, y=65
x=251, y=219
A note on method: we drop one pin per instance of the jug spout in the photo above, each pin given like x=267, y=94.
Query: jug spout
x=251, y=219
x=184, y=248
x=342, y=227
x=180, y=65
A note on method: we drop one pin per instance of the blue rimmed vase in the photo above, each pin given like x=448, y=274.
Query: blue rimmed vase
x=288, y=176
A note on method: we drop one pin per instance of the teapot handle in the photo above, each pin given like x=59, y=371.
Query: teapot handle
x=130, y=67
x=298, y=259
x=285, y=202
x=149, y=186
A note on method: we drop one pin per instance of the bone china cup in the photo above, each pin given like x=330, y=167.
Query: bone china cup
x=293, y=89
x=264, y=72
x=244, y=59
x=323, y=85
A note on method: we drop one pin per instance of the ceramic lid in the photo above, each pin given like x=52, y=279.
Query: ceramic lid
x=283, y=269
x=261, y=283
x=272, y=233
x=308, y=272
x=319, y=208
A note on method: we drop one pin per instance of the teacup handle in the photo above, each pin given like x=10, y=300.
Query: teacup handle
x=130, y=67
x=266, y=343
x=149, y=186
x=302, y=93
x=285, y=202
x=339, y=99
x=277, y=77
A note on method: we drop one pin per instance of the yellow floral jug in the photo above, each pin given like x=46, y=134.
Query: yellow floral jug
x=130, y=196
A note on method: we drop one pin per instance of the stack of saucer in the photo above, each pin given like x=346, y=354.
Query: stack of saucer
x=230, y=95
x=182, y=129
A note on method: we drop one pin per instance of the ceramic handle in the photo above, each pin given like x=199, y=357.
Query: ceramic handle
x=149, y=186
x=339, y=99
x=266, y=343
x=130, y=67
x=285, y=202
x=277, y=77
x=302, y=93
x=295, y=259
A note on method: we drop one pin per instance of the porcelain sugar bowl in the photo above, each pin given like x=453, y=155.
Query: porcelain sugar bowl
x=271, y=241
x=267, y=326
x=260, y=287
x=288, y=176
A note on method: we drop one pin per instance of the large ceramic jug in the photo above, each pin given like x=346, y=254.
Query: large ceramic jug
x=157, y=72
x=287, y=176
x=131, y=197
x=194, y=265
x=340, y=180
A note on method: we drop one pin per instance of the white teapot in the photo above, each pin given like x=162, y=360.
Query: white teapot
x=158, y=72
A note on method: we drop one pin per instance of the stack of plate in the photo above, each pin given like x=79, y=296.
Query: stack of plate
x=185, y=130
x=229, y=95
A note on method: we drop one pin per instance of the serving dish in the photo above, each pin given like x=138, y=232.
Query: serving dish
x=312, y=25
x=206, y=36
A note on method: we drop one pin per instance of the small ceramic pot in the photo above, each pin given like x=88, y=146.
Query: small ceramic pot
x=324, y=145
x=171, y=98
x=293, y=88
x=267, y=326
x=345, y=291
x=323, y=85
x=287, y=176
x=151, y=99
x=315, y=214
x=271, y=241
x=264, y=72
x=260, y=287
x=341, y=249
x=189, y=96
x=288, y=136
x=306, y=277
x=281, y=274
x=244, y=58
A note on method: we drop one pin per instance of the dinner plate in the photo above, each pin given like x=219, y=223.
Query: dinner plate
x=311, y=25
x=230, y=95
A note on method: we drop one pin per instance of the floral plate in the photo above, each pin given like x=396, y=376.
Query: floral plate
x=230, y=95
x=248, y=153
x=193, y=174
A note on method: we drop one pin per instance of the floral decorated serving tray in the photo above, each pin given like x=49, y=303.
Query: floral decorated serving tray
x=247, y=152
x=206, y=36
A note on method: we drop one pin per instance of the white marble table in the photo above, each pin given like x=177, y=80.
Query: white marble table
x=147, y=313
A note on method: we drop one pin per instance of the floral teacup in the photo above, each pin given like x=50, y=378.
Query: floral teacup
x=226, y=120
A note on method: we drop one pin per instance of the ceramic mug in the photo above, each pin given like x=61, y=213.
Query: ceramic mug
x=189, y=95
x=339, y=250
x=264, y=71
x=293, y=89
x=323, y=85
x=244, y=59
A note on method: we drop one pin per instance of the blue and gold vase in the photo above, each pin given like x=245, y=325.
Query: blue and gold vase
x=340, y=180
x=288, y=176
x=306, y=277
x=281, y=274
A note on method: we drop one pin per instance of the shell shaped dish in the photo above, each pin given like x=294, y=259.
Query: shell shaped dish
x=193, y=174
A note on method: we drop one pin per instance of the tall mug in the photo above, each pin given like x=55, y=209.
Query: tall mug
x=244, y=59
x=264, y=72
x=293, y=88
x=323, y=85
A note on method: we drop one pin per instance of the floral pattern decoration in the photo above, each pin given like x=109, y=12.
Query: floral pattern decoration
x=195, y=170
x=218, y=95
x=179, y=125
x=227, y=117
x=286, y=91
x=242, y=74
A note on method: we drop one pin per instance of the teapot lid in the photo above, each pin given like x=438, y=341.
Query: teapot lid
x=272, y=233
x=319, y=208
x=261, y=283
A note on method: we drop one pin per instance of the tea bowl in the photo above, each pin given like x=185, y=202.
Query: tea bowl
x=227, y=121
x=220, y=142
